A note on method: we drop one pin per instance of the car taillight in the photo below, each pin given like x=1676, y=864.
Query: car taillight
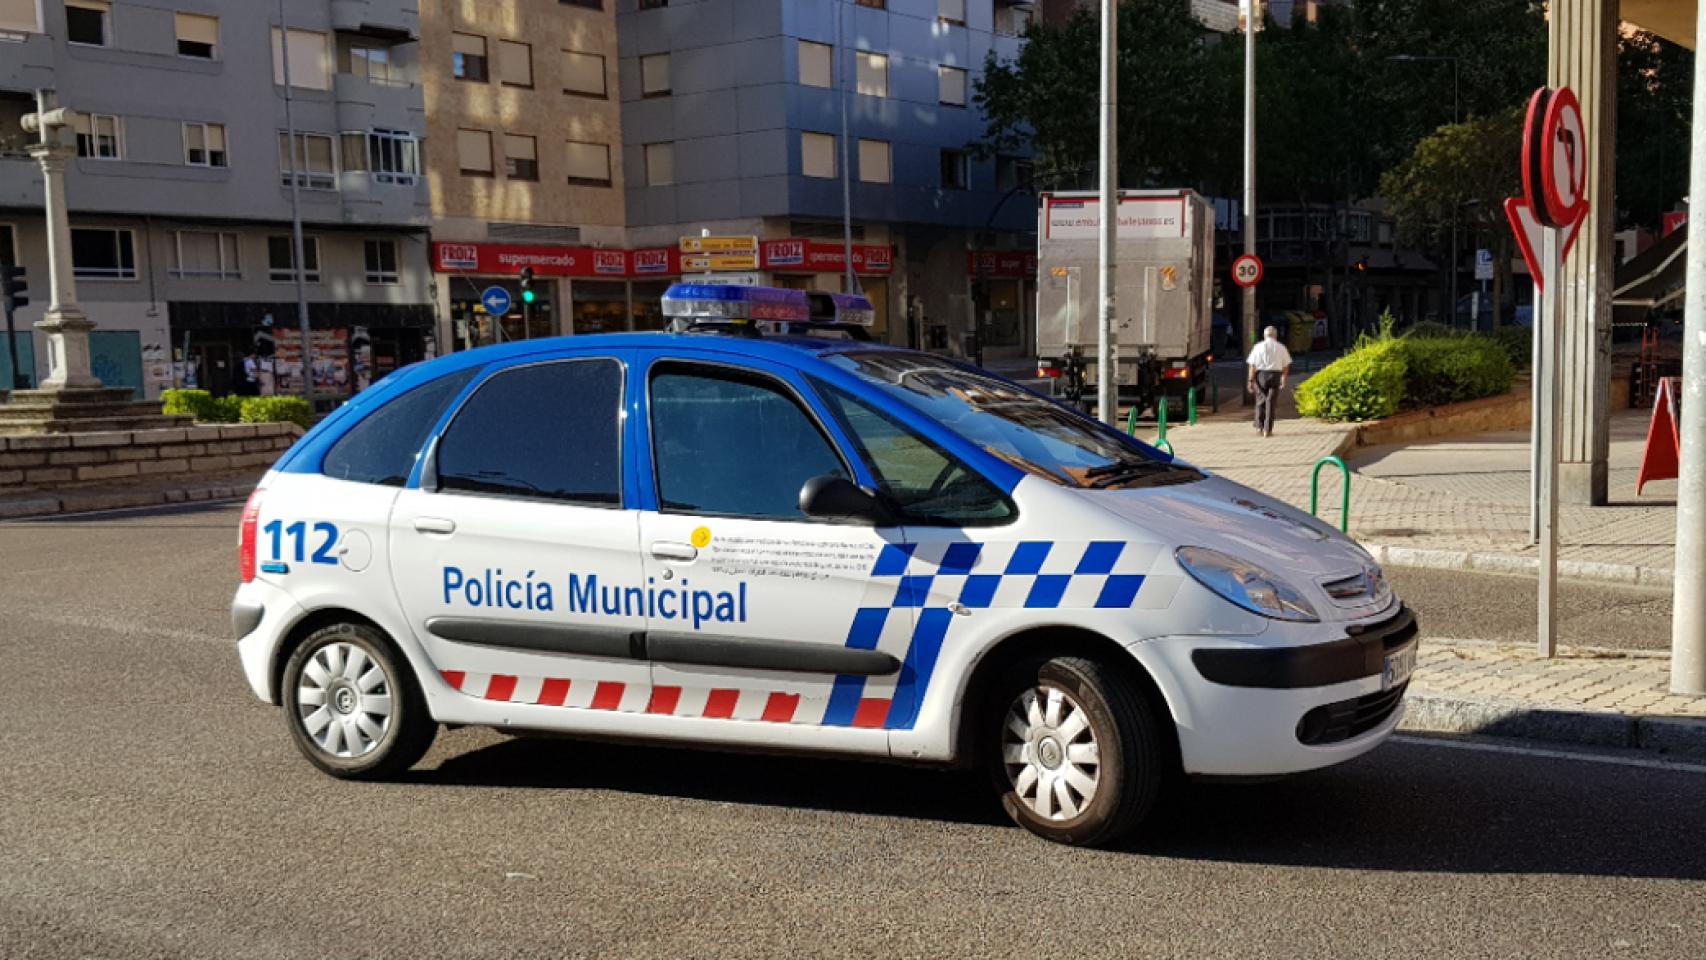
x=1048, y=371
x=246, y=539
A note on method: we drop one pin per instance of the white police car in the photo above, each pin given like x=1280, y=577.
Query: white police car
x=801, y=543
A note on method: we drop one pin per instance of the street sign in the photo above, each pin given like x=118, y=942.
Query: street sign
x=1247, y=270
x=747, y=245
x=1483, y=264
x=729, y=280
x=720, y=261
x=496, y=301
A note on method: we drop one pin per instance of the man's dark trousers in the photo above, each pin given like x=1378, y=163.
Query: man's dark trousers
x=1267, y=396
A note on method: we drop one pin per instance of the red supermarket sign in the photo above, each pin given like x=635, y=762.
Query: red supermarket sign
x=816, y=256
x=1001, y=264
x=506, y=258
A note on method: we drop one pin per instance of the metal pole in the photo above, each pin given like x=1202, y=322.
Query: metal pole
x=1536, y=366
x=1547, y=321
x=296, y=252
x=1107, y=390
x=852, y=282
x=1688, y=619
x=1252, y=17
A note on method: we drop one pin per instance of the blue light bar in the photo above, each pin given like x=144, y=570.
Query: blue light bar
x=705, y=301
x=851, y=309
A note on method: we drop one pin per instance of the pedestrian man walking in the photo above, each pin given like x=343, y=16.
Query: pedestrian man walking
x=1269, y=364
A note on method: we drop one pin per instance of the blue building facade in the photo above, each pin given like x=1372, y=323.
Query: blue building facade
x=732, y=122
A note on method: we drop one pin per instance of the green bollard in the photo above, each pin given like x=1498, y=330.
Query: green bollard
x=1191, y=406
x=1131, y=423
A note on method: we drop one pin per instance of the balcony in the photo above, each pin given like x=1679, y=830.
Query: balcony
x=26, y=61
x=380, y=199
x=365, y=103
x=20, y=180
x=396, y=19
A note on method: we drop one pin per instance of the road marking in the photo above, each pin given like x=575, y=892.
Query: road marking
x=1672, y=766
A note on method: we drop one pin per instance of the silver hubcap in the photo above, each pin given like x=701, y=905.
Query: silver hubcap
x=344, y=700
x=1051, y=754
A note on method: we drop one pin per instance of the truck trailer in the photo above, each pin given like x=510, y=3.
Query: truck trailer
x=1163, y=322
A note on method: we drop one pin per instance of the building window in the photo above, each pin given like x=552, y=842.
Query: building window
x=315, y=167
x=875, y=4
x=374, y=63
x=205, y=254
x=815, y=64
x=204, y=144
x=1013, y=173
x=588, y=4
x=521, y=157
x=874, y=164
x=391, y=156
x=955, y=174
x=951, y=11
x=1012, y=19
x=198, y=36
x=98, y=136
x=951, y=86
x=653, y=4
x=280, y=263
x=515, y=64
x=660, y=164
x=817, y=154
x=583, y=74
x=310, y=59
x=18, y=16
x=589, y=163
x=654, y=75
x=474, y=153
x=381, y=261
x=88, y=22
x=100, y=254
x=468, y=57
x=873, y=74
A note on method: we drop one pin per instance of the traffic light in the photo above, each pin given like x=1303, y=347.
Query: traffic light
x=14, y=292
x=1362, y=265
x=527, y=294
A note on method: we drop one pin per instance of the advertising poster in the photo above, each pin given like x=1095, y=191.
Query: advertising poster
x=330, y=356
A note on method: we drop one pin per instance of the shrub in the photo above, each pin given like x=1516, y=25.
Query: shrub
x=1430, y=329
x=276, y=410
x=1441, y=371
x=1518, y=344
x=1425, y=367
x=203, y=406
x=1365, y=384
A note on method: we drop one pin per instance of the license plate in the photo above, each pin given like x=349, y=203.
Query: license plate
x=1399, y=666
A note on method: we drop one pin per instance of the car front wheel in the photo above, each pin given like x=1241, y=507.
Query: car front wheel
x=352, y=706
x=1080, y=756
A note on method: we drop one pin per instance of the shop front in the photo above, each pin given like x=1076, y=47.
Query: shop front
x=351, y=344
x=1004, y=294
x=822, y=265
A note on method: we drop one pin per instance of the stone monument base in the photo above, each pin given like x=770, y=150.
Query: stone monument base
x=83, y=410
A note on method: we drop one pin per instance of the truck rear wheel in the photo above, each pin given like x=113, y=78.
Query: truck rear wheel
x=1078, y=755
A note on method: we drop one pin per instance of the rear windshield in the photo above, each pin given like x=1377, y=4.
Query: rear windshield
x=1034, y=434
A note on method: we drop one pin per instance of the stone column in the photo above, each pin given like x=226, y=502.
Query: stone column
x=1582, y=55
x=64, y=322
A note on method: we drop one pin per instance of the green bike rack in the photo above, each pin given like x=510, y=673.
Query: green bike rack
x=1315, y=490
x=1161, y=418
x=1131, y=423
x=1163, y=443
x=1191, y=406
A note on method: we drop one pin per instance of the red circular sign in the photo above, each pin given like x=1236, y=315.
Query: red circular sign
x=1564, y=158
x=1247, y=270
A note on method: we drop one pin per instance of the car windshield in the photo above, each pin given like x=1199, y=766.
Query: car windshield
x=1032, y=433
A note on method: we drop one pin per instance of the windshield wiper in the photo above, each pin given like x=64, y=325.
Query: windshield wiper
x=1123, y=471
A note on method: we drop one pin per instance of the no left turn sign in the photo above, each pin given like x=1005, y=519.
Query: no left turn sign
x=1247, y=270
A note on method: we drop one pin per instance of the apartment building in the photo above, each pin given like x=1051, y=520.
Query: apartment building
x=732, y=122
x=179, y=193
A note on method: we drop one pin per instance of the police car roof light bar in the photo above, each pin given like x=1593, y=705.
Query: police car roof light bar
x=711, y=303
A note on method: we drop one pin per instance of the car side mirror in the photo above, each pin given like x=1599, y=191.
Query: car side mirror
x=837, y=498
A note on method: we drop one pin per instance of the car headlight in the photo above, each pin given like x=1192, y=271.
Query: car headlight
x=1246, y=584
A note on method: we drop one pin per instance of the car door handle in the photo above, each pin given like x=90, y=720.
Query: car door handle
x=435, y=525
x=673, y=550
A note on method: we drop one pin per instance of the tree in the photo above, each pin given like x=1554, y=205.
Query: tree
x=1461, y=175
x=1655, y=100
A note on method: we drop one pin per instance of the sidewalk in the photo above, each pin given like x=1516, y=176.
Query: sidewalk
x=142, y=492
x=1457, y=503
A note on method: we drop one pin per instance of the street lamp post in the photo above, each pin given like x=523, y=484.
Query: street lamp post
x=1413, y=58
x=1252, y=17
x=1107, y=388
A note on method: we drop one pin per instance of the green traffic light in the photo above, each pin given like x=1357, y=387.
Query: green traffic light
x=527, y=296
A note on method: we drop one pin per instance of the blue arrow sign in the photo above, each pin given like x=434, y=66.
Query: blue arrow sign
x=496, y=301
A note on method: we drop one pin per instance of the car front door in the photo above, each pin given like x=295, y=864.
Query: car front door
x=515, y=556
x=756, y=611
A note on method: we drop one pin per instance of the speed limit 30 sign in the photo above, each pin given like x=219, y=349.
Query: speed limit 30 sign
x=1247, y=270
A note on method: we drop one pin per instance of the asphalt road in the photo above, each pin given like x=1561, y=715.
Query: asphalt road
x=1481, y=606
x=151, y=808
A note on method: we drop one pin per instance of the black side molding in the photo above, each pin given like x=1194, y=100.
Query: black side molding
x=713, y=651
x=1363, y=654
x=588, y=641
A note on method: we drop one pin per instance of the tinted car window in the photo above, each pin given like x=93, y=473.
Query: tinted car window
x=548, y=431
x=923, y=482
x=383, y=447
x=730, y=443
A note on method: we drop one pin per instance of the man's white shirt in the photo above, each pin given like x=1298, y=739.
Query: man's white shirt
x=1269, y=355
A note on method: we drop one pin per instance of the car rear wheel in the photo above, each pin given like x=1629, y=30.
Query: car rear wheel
x=352, y=705
x=1078, y=755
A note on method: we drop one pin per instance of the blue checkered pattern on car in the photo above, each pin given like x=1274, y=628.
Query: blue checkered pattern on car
x=931, y=578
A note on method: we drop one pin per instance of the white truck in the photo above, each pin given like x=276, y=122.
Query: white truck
x=1164, y=296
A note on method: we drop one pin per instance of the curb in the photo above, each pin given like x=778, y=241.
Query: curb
x=88, y=502
x=1509, y=564
x=1512, y=719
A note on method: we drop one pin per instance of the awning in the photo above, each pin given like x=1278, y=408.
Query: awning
x=1651, y=279
x=1671, y=19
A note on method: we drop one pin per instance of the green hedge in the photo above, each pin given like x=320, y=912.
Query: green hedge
x=1518, y=344
x=207, y=408
x=1384, y=373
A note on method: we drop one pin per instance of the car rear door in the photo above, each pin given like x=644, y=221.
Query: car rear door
x=758, y=612
x=515, y=554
